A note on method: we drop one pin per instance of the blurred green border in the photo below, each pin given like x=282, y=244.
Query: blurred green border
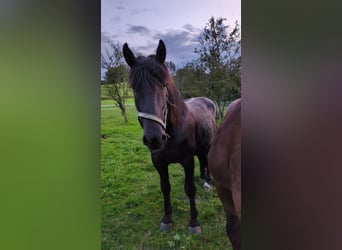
x=50, y=125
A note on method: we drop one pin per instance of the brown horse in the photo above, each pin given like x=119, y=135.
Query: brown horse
x=224, y=160
x=174, y=130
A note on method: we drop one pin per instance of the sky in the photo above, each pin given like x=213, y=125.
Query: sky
x=178, y=22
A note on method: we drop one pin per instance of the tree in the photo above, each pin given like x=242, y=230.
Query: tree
x=190, y=80
x=115, y=79
x=171, y=67
x=220, y=59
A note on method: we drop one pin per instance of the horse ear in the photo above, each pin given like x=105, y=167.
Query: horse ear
x=128, y=55
x=161, y=52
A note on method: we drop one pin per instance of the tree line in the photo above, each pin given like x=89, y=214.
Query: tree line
x=216, y=73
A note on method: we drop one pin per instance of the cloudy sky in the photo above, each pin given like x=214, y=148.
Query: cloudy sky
x=178, y=22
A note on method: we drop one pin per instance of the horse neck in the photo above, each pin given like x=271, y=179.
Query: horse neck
x=176, y=106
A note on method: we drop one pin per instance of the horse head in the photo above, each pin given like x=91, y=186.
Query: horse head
x=148, y=79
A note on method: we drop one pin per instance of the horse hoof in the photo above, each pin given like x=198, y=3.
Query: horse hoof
x=207, y=186
x=201, y=179
x=165, y=227
x=195, y=230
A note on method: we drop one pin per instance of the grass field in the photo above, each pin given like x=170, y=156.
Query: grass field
x=131, y=199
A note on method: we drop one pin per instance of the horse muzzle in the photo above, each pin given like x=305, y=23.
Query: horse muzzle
x=155, y=143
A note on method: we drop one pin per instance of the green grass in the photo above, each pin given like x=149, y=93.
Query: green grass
x=131, y=199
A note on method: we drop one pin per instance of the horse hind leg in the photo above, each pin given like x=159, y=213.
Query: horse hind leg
x=232, y=220
x=204, y=170
x=233, y=230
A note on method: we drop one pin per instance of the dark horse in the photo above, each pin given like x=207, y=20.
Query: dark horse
x=224, y=159
x=174, y=130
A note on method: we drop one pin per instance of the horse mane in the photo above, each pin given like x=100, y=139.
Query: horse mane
x=176, y=105
x=147, y=72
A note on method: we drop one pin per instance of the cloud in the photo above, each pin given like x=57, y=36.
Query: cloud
x=180, y=45
x=105, y=38
x=189, y=27
x=137, y=29
x=119, y=5
x=138, y=11
x=116, y=19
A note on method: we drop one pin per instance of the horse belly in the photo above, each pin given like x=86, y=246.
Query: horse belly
x=219, y=162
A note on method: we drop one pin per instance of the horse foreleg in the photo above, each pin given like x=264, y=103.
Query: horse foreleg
x=190, y=190
x=166, y=223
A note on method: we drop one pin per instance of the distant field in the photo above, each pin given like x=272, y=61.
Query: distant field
x=131, y=200
x=104, y=95
x=106, y=102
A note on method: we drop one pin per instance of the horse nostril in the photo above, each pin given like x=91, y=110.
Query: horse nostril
x=155, y=142
x=151, y=142
x=164, y=138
